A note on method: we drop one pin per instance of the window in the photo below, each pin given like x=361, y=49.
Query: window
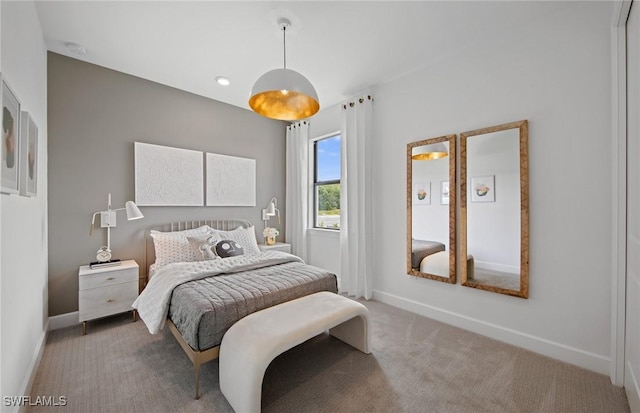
x=326, y=182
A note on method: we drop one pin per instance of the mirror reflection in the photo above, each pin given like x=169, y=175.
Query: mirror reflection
x=494, y=208
x=431, y=208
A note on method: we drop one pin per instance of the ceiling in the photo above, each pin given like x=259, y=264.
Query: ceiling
x=343, y=48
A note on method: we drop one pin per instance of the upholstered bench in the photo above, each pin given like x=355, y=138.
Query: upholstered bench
x=250, y=345
x=438, y=264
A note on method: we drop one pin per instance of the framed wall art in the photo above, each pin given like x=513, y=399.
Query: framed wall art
x=10, y=158
x=444, y=193
x=28, y=155
x=483, y=189
x=167, y=176
x=231, y=181
x=422, y=193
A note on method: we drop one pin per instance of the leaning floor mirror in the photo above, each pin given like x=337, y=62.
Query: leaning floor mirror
x=494, y=209
x=431, y=208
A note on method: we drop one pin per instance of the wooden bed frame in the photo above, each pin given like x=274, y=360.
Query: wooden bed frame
x=197, y=357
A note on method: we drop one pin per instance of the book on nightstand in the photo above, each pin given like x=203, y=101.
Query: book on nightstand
x=103, y=264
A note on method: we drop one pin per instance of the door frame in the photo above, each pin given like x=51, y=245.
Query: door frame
x=619, y=188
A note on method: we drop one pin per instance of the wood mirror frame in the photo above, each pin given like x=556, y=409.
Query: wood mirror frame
x=436, y=203
x=496, y=280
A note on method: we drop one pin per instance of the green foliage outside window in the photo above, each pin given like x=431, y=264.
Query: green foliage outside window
x=329, y=199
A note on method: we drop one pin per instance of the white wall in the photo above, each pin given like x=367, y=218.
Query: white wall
x=555, y=72
x=1, y=353
x=24, y=220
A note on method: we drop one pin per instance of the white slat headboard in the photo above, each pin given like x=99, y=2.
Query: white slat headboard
x=221, y=224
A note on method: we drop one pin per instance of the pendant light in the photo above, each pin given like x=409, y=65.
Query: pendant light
x=429, y=152
x=284, y=94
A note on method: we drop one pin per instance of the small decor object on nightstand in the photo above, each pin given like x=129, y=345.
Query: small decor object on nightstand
x=270, y=235
x=103, y=254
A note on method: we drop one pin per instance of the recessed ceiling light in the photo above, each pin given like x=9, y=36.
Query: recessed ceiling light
x=76, y=48
x=224, y=81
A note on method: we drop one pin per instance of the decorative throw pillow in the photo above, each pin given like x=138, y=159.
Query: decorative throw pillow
x=173, y=246
x=243, y=236
x=203, y=246
x=228, y=248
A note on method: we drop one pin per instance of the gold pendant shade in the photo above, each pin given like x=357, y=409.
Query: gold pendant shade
x=284, y=94
x=429, y=152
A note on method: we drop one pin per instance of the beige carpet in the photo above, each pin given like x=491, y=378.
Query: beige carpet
x=417, y=365
x=497, y=279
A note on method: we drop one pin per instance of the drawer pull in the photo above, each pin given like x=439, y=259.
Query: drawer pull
x=110, y=300
x=111, y=278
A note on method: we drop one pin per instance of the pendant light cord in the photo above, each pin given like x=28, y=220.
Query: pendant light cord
x=284, y=43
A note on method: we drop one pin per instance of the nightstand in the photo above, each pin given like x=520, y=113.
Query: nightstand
x=107, y=291
x=278, y=246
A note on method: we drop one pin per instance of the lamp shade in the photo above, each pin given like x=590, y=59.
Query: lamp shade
x=271, y=209
x=133, y=212
x=284, y=94
x=429, y=152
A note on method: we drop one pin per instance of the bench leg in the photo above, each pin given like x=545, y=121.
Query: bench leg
x=241, y=380
x=354, y=332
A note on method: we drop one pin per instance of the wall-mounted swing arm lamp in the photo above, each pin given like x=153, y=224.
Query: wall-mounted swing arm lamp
x=108, y=221
x=271, y=211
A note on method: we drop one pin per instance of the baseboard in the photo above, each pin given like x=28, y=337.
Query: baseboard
x=64, y=320
x=509, y=269
x=33, y=369
x=632, y=388
x=558, y=351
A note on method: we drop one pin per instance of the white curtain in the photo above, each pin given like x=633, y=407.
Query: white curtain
x=355, y=198
x=297, y=187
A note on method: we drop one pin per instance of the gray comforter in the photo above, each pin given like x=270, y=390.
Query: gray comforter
x=204, y=309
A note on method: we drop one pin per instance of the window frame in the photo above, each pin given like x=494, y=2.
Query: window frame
x=315, y=183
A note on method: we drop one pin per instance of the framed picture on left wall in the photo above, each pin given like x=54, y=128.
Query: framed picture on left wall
x=28, y=155
x=10, y=168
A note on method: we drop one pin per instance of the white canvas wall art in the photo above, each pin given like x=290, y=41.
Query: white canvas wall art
x=231, y=181
x=166, y=176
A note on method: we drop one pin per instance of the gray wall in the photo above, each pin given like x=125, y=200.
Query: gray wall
x=95, y=116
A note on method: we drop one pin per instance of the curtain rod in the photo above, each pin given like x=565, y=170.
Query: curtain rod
x=293, y=125
x=351, y=104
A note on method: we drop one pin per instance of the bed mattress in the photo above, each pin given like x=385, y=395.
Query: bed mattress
x=204, y=309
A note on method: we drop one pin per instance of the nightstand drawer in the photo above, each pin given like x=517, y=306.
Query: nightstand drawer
x=101, y=302
x=278, y=246
x=104, y=279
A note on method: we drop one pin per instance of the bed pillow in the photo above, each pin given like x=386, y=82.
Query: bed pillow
x=174, y=247
x=246, y=237
x=228, y=248
x=203, y=246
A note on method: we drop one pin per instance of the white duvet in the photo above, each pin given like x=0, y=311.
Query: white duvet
x=153, y=303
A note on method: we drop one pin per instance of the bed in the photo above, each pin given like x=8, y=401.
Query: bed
x=199, y=299
x=421, y=249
